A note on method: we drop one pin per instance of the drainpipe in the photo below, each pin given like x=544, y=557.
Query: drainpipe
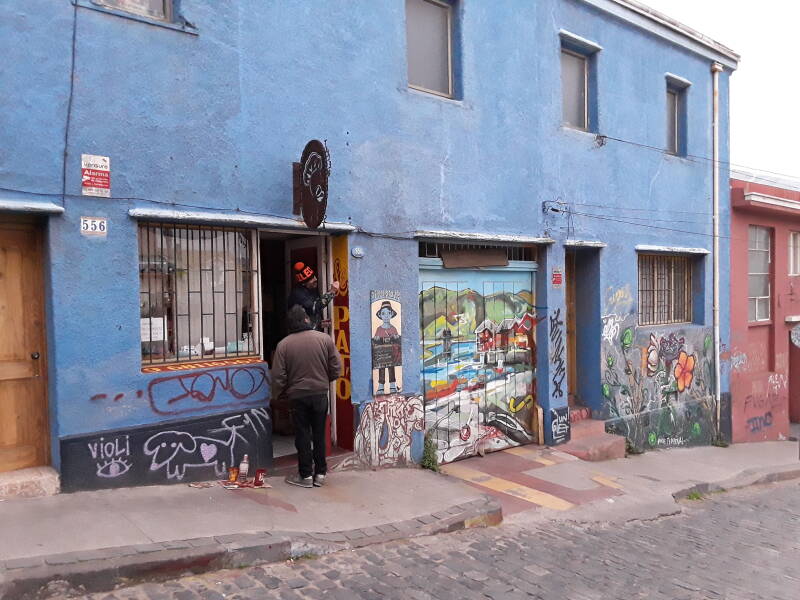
x=716, y=69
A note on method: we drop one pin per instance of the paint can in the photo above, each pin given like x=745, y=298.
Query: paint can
x=233, y=474
x=259, y=478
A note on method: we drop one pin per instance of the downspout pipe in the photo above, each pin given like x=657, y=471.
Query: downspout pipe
x=716, y=69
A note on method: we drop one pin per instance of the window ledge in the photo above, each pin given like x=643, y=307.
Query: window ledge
x=180, y=27
x=759, y=323
x=680, y=158
x=577, y=132
x=435, y=96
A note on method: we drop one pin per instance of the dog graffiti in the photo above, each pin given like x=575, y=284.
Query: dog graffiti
x=177, y=451
x=386, y=428
x=112, y=456
x=558, y=364
x=194, y=392
x=756, y=424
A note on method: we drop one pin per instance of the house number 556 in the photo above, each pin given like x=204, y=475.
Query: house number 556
x=94, y=226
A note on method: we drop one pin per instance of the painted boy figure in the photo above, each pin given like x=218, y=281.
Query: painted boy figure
x=386, y=348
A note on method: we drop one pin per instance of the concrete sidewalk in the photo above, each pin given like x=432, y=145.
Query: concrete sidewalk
x=98, y=539
x=650, y=484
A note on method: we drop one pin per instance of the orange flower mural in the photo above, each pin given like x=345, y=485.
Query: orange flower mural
x=684, y=371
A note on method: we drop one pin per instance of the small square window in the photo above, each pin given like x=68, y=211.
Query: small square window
x=575, y=89
x=794, y=253
x=154, y=9
x=429, y=38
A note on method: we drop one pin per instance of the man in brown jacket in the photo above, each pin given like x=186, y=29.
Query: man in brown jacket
x=305, y=363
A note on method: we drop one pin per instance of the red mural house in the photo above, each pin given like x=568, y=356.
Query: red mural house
x=765, y=307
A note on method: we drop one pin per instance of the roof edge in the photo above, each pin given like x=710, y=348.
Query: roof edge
x=729, y=57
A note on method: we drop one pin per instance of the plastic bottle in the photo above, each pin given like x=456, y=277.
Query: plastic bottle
x=244, y=466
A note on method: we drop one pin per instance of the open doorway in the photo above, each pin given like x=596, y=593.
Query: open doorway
x=279, y=251
x=582, y=278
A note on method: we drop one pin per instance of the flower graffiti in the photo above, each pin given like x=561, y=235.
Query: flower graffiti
x=684, y=371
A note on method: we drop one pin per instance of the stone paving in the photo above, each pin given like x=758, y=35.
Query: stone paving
x=738, y=545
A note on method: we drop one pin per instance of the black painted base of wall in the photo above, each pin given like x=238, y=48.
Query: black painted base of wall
x=163, y=453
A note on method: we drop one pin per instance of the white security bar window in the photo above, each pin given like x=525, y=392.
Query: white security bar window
x=197, y=297
x=155, y=9
x=759, y=250
x=673, y=116
x=574, y=88
x=794, y=253
x=430, y=48
x=665, y=289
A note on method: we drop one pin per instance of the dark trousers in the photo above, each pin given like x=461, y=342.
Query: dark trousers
x=382, y=375
x=309, y=414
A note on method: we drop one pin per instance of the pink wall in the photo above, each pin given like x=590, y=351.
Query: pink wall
x=760, y=352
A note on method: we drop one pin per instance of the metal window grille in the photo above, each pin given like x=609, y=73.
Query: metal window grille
x=759, y=256
x=198, y=294
x=434, y=250
x=665, y=289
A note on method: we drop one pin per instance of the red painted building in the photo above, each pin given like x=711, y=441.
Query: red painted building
x=765, y=307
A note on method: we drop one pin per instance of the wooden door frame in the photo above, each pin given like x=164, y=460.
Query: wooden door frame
x=36, y=227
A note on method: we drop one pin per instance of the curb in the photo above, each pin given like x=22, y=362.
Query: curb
x=746, y=478
x=109, y=568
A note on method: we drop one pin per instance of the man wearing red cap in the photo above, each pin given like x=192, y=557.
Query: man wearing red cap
x=306, y=294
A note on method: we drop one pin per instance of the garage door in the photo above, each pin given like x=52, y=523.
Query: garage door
x=478, y=358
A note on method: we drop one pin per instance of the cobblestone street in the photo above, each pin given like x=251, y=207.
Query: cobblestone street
x=739, y=545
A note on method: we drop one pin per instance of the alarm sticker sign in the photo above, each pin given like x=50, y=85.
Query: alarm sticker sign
x=95, y=175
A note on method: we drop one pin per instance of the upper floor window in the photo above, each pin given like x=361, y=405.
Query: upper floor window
x=794, y=253
x=429, y=38
x=665, y=289
x=197, y=293
x=154, y=9
x=673, y=115
x=575, y=88
x=759, y=254
x=676, y=124
x=579, y=58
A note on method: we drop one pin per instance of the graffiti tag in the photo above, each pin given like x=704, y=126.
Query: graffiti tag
x=193, y=392
x=559, y=424
x=760, y=422
x=557, y=354
x=112, y=456
x=386, y=428
x=611, y=325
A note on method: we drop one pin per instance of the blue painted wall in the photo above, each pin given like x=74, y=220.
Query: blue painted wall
x=214, y=118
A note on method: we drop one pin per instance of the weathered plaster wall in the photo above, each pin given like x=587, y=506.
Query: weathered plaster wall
x=214, y=120
x=760, y=353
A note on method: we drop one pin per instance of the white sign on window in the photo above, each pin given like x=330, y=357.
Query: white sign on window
x=152, y=329
x=94, y=226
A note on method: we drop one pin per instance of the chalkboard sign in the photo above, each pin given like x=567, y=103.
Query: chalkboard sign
x=168, y=452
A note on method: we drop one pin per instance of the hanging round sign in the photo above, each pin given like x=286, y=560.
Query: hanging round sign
x=314, y=183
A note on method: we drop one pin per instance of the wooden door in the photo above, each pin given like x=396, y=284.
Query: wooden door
x=24, y=434
x=572, y=316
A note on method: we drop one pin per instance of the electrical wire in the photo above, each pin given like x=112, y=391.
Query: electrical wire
x=69, y=102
